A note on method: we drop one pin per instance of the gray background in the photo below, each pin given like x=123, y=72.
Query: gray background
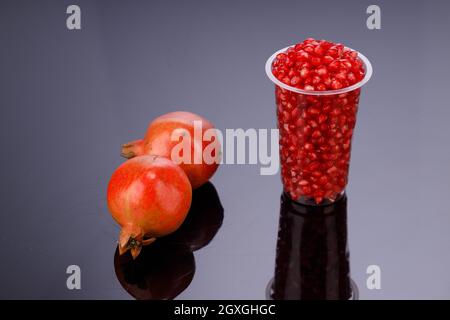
x=70, y=98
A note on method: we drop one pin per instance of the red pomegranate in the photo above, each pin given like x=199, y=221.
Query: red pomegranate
x=159, y=141
x=149, y=197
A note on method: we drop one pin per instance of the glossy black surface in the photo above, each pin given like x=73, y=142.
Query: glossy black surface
x=161, y=272
x=312, y=252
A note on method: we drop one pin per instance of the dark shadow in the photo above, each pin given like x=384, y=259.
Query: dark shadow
x=160, y=272
x=165, y=268
x=203, y=221
x=312, y=260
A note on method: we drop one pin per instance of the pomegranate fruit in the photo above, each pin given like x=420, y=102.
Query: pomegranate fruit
x=316, y=130
x=149, y=197
x=158, y=141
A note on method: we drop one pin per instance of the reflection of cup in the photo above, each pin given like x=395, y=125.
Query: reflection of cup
x=312, y=259
x=166, y=267
x=316, y=129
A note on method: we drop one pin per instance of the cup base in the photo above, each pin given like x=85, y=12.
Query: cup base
x=354, y=291
x=309, y=201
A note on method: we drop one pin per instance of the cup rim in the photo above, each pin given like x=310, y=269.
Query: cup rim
x=367, y=76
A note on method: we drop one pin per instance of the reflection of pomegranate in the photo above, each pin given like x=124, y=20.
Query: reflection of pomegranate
x=148, y=196
x=160, y=272
x=157, y=141
x=203, y=220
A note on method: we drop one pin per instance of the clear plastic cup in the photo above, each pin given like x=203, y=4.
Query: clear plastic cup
x=316, y=129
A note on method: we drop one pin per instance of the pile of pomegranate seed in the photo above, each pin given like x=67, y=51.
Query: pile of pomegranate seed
x=316, y=130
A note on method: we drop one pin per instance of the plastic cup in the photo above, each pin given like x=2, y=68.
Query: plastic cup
x=316, y=129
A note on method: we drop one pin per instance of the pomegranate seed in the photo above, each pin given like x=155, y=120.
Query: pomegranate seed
x=352, y=54
x=313, y=111
x=332, y=170
x=307, y=130
x=323, y=180
x=295, y=80
x=306, y=190
x=313, y=166
x=334, y=66
x=300, y=122
x=316, y=61
x=306, y=65
x=294, y=140
x=316, y=134
x=327, y=59
x=322, y=71
x=318, y=196
x=341, y=76
x=322, y=118
x=316, y=174
x=346, y=146
x=336, y=111
x=335, y=85
x=308, y=48
x=304, y=73
x=303, y=55
x=303, y=182
x=313, y=124
x=316, y=80
x=281, y=57
x=351, y=77
x=332, y=52
x=320, y=50
x=308, y=146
